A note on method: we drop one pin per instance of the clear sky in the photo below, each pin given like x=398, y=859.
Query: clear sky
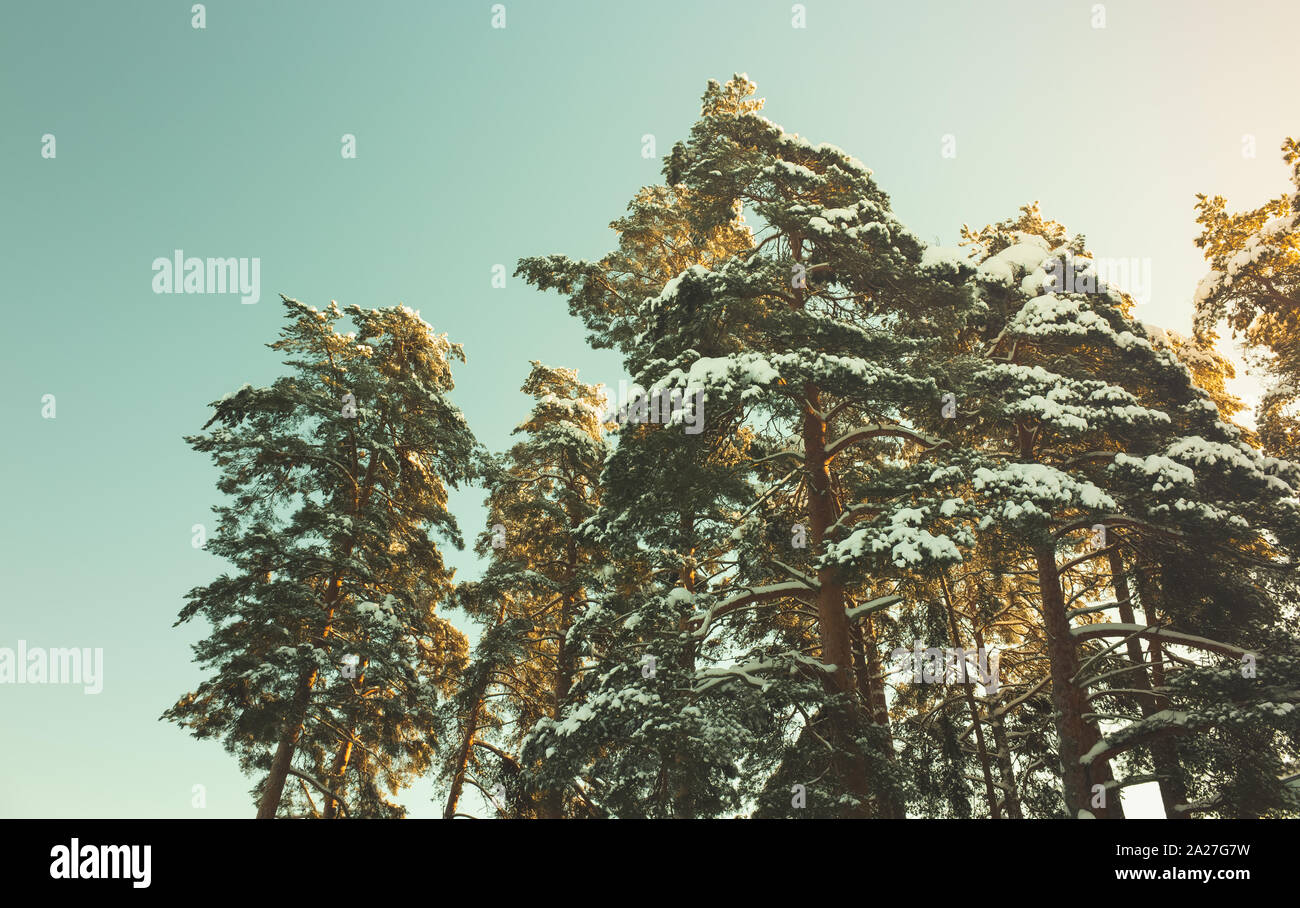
x=475, y=146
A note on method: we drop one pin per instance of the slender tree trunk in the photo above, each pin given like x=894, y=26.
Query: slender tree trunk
x=467, y=740
x=876, y=699
x=1136, y=679
x=1164, y=751
x=683, y=797
x=341, y=759
x=1068, y=706
x=1006, y=771
x=462, y=758
x=273, y=787
x=1075, y=733
x=990, y=789
x=337, y=771
x=552, y=805
x=870, y=674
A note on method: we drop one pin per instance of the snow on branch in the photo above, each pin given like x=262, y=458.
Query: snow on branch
x=1094, y=631
x=750, y=596
x=875, y=605
x=878, y=431
x=1113, y=520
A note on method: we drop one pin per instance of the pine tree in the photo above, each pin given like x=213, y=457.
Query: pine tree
x=635, y=729
x=798, y=337
x=1254, y=285
x=1086, y=426
x=535, y=588
x=327, y=655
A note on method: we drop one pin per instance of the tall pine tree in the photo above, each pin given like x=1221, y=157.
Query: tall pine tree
x=327, y=655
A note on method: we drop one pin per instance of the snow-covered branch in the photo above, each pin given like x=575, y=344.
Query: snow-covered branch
x=1094, y=631
x=750, y=596
x=865, y=433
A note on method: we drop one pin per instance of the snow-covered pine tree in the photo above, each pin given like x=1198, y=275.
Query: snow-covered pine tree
x=813, y=336
x=840, y=364
x=1091, y=435
x=1254, y=285
x=632, y=730
x=645, y=727
x=535, y=587
x=636, y=731
x=1219, y=724
x=327, y=655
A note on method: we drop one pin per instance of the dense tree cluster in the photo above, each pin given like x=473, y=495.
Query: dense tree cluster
x=955, y=535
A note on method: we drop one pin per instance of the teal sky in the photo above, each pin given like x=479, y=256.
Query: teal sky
x=475, y=146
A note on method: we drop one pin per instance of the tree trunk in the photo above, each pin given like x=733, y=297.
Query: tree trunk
x=273, y=787
x=1006, y=771
x=990, y=789
x=1069, y=703
x=1076, y=735
x=833, y=623
x=552, y=805
x=467, y=741
x=1164, y=751
x=832, y=620
x=340, y=767
x=462, y=759
x=871, y=688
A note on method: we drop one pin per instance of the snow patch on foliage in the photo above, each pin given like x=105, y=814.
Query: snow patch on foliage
x=1032, y=490
x=902, y=540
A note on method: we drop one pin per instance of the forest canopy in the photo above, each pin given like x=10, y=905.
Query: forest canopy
x=926, y=532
